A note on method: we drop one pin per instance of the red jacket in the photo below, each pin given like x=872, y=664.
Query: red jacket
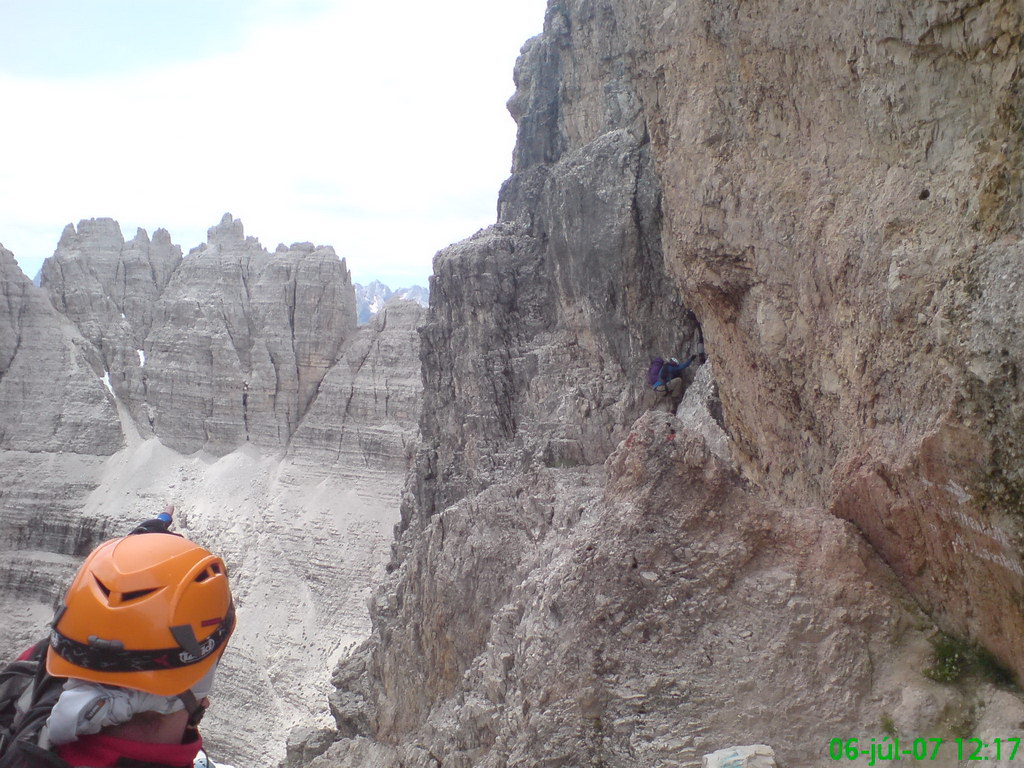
x=103, y=751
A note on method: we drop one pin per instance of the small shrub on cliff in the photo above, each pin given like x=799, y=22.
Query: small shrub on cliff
x=888, y=725
x=950, y=660
x=953, y=658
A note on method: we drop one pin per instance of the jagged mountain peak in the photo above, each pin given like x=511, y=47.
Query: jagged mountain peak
x=228, y=232
x=278, y=322
x=92, y=233
x=372, y=298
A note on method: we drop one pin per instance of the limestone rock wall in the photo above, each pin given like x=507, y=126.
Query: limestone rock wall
x=530, y=383
x=843, y=207
x=827, y=189
x=530, y=358
x=43, y=535
x=109, y=288
x=226, y=346
x=51, y=398
x=261, y=331
x=359, y=427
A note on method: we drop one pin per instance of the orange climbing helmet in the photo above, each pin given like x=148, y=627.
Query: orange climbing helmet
x=150, y=611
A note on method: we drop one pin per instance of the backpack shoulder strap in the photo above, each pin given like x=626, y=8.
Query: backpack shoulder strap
x=16, y=691
x=27, y=695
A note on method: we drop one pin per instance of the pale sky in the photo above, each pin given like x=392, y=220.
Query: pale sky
x=377, y=127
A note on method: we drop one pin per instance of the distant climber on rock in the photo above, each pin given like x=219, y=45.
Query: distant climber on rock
x=124, y=675
x=666, y=378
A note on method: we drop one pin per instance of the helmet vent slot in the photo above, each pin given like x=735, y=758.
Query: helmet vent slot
x=136, y=594
x=216, y=568
x=203, y=576
x=102, y=586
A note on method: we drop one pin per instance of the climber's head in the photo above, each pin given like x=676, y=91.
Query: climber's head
x=150, y=612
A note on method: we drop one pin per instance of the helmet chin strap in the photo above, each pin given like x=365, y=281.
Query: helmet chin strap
x=193, y=707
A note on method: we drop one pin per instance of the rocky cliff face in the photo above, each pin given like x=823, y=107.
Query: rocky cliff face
x=58, y=425
x=844, y=209
x=51, y=398
x=109, y=288
x=224, y=347
x=233, y=383
x=578, y=583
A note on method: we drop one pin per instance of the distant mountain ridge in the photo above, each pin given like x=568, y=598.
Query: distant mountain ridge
x=370, y=299
x=233, y=383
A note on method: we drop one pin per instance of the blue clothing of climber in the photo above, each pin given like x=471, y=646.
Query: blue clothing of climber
x=673, y=369
x=668, y=381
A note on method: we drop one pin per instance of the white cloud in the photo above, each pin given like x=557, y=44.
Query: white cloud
x=377, y=128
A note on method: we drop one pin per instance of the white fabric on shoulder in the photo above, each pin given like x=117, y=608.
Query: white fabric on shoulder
x=203, y=761
x=85, y=707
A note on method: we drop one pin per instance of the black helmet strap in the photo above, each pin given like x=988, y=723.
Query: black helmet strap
x=194, y=708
